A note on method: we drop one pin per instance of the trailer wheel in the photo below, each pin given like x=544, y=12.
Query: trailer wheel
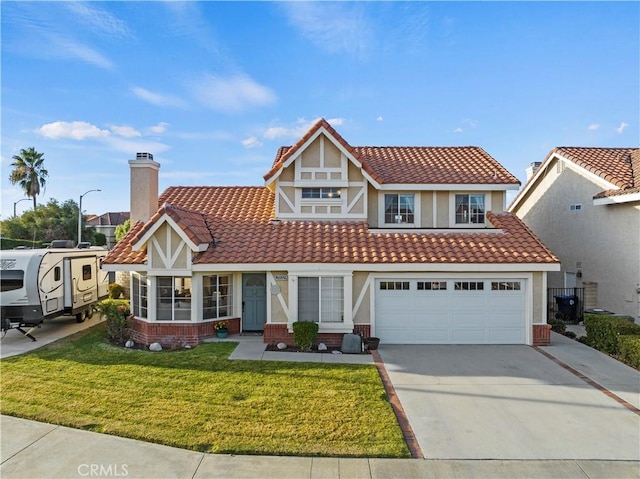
x=81, y=316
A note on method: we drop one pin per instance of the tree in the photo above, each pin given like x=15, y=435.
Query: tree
x=53, y=221
x=29, y=172
x=122, y=230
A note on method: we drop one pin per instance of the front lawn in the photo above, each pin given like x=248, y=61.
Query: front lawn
x=197, y=399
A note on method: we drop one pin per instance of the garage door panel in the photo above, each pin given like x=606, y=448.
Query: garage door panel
x=450, y=316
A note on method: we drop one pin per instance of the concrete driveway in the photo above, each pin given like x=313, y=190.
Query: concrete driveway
x=14, y=343
x=512, y=402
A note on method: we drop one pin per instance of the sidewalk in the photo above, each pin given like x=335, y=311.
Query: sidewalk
x=36, y=450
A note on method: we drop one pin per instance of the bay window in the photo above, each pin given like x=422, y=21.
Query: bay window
x=173, y=295
x=139, y=295
x=217, y=296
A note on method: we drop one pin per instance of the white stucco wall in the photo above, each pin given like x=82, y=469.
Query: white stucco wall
x=603, y=242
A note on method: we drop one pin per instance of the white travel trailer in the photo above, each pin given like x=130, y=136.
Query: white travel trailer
x=37, y=284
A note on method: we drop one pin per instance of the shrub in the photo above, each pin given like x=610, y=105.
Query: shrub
x=583, y=340
x=630, y=350
x=115, y=291
x=558, y=326
x=304, y=333
x=604, y=331
x=570, y=334
x=118, y=319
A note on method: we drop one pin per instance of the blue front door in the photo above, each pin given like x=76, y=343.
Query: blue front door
x=254, y=301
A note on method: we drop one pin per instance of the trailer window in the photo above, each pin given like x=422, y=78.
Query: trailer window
x=86, y=272
x=56, y=273
x=10, y=280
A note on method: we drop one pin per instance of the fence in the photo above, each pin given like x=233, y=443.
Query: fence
x=566, y=304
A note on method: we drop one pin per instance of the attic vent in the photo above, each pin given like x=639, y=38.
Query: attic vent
x=144, y=156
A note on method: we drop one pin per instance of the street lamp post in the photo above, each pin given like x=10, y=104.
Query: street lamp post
x=80, y=214
x=15, y=203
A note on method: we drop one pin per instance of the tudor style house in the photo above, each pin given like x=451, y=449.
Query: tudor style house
x=408, y=244
x=584, y=203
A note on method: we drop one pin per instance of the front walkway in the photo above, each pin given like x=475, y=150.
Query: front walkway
x=253, y=348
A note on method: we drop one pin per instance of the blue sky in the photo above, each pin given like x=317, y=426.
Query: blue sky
x=212, y=89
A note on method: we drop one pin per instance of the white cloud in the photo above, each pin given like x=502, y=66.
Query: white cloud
x=458, y=130
x=298, y=129
x=622, y=127
x=593, y=127
x=470, y=123
x=97, y=19
x=156, y=98
x=333, y=27
x=76, y=130
x=70, y=49
x=134, y=146
x=126, y=131
x=158, y=129
x=380, y=118
x=232, y=94
x=251, y=142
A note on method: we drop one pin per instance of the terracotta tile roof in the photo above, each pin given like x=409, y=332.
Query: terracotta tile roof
x=413, y=165
x=614, y=165
x=244, y=233
x=108, y=219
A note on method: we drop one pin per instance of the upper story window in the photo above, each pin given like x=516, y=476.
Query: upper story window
x=321, y=193
x=399, y=208
x=470, y=209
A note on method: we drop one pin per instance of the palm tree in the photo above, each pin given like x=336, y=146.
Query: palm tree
x=28, y=171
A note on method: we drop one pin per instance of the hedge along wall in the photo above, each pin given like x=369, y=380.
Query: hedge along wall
x=614, y=335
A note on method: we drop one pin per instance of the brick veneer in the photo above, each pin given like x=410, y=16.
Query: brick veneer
x=541, y=334
x=170, y=334
x=275, y=333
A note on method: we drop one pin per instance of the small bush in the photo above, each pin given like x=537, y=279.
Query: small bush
x=583, y=340
x=570, y=334
x=304, y=333
x=558, y=326
x=115, y=291
x=118, y=319
x=630, y=350
x=604, y=331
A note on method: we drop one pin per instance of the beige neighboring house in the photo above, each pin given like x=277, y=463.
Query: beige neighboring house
x=408, y=244
x=107, y=224
x=584, y=204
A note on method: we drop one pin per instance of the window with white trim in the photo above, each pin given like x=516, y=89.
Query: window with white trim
x=469, y=209
x=139, y=295
x=321, y=193
x=399, y=208
x=173, y=295
x=217, y=296
x=321, y=299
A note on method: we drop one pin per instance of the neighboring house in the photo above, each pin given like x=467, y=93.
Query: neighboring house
x=107, y=224
x=408, y=244
x=584, y=203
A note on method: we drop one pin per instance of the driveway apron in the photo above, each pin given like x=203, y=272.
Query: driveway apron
x=506, y=402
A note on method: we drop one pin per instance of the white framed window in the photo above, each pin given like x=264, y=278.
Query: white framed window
x=505, y=286
x=321, y=193
x=468, y=285
x=173, y=301
x=321, y=299
x=399, y=208
x=432, y=285
x=576, y=207
x=469, y=209
x=394, y=285
x=139, y=295
x=217, y=296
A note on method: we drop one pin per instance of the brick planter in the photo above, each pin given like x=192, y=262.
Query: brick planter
x=170, y=334
x=275, y=333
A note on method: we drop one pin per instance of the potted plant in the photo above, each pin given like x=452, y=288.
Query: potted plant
x=221, y=329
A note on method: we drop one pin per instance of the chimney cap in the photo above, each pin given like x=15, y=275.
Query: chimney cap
x=144, y=156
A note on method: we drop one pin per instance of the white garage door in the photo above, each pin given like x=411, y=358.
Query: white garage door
x=450, y=311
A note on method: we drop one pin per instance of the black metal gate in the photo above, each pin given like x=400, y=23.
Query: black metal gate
x=566, y=304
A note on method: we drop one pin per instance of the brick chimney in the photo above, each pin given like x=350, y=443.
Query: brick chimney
x=144, y=187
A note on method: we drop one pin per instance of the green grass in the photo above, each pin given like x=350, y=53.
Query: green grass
x=197, y=399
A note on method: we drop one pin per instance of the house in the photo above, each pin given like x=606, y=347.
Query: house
x=584, y=203
x=408, y=244
x=107, y=224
